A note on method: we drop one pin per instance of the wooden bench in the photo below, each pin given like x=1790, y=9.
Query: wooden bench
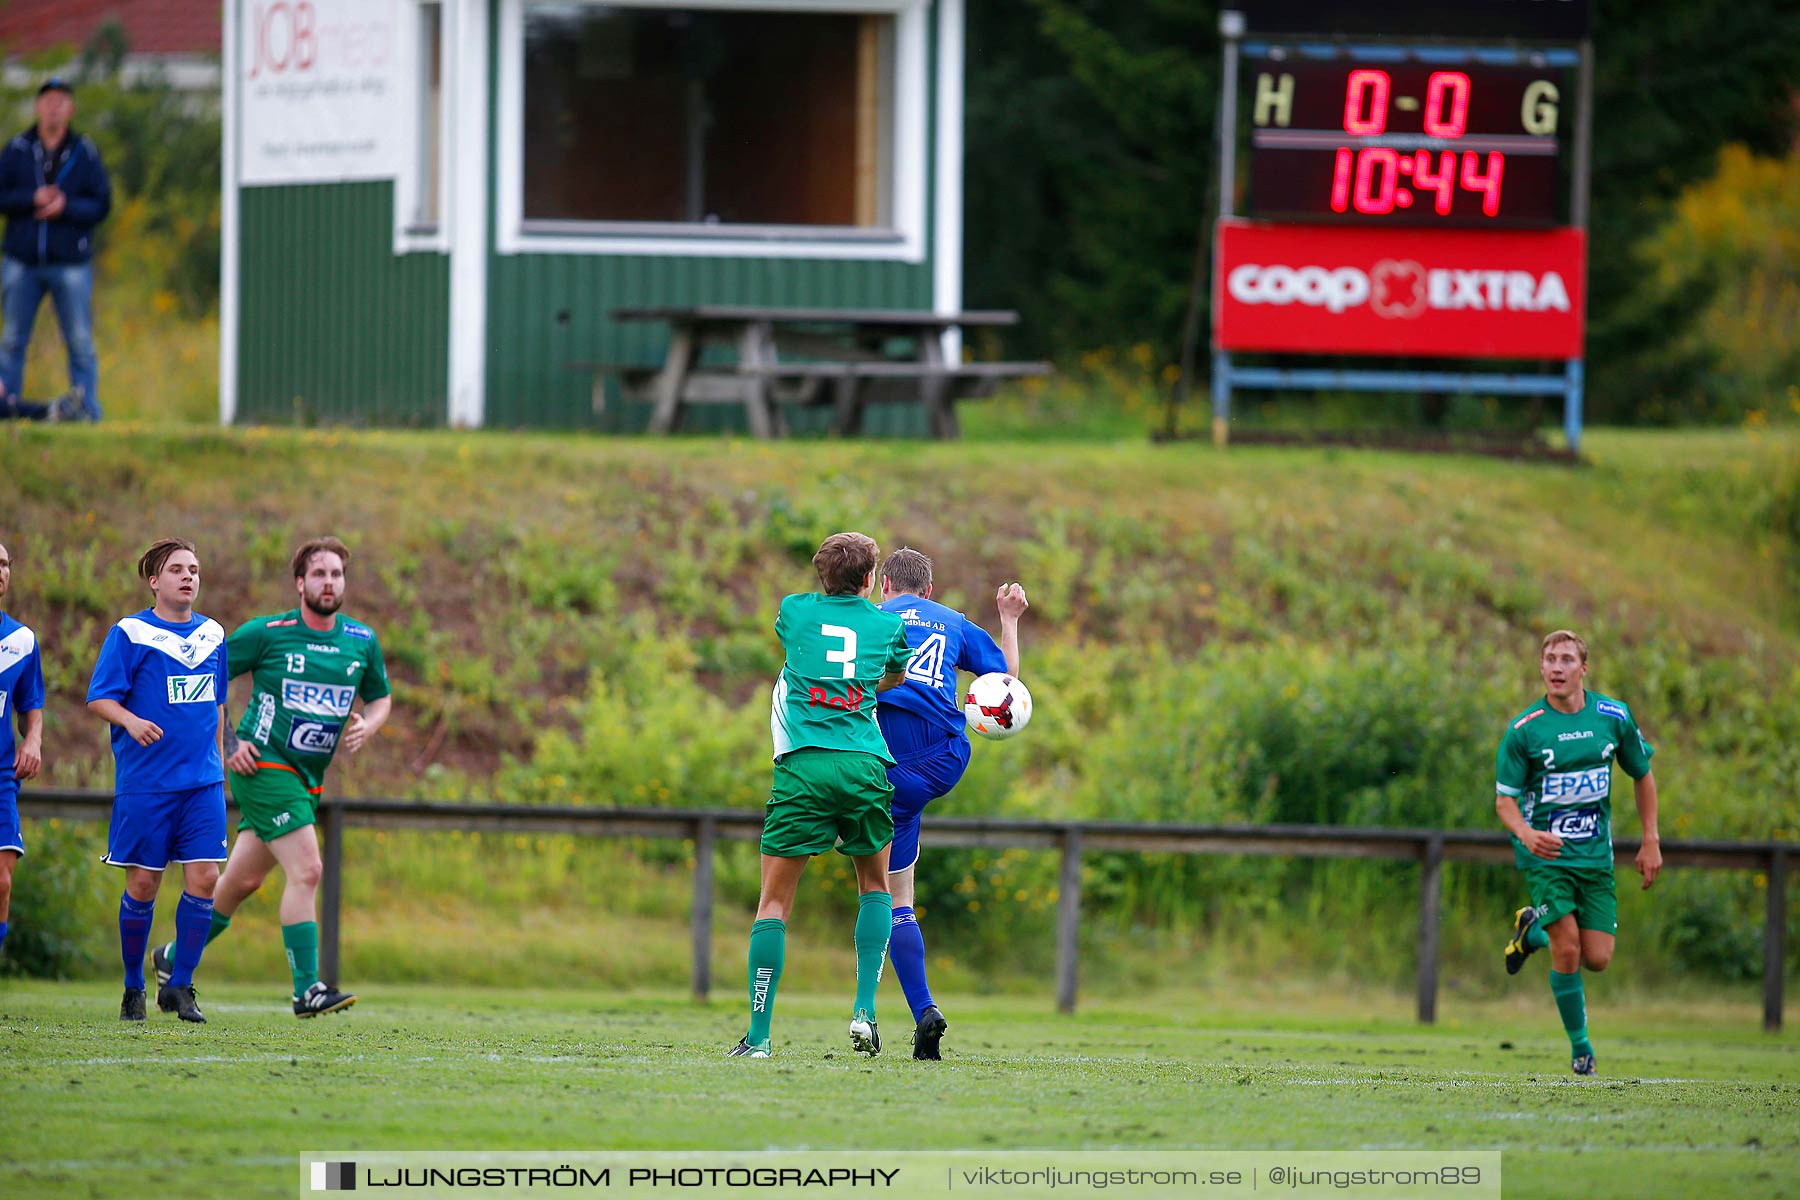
x=782, y=357
x=852, y=394
x=848, y=387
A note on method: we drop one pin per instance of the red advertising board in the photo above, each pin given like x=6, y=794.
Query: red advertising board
x=1442, y=293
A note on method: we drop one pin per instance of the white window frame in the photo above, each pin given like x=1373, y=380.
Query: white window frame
x=409, y=239
x=908, y=185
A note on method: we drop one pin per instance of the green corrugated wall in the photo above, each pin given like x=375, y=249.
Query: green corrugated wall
x=546, y=312
x=333, y=325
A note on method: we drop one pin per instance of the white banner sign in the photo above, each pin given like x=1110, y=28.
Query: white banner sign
x=323, y=88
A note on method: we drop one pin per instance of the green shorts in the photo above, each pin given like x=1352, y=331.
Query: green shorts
x=274, y=801
x=1588, y=892
x=823, y=798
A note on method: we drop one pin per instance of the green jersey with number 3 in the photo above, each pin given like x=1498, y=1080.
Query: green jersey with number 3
x=1558, y=766
x=305, y=682
x=838, y=649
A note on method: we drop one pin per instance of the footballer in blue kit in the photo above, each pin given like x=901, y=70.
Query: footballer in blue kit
x=21, y=700
x=926, y=732
x=160, y=683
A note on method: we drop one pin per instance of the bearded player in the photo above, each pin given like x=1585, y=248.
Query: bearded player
x=307, y=666
x=1554, y=783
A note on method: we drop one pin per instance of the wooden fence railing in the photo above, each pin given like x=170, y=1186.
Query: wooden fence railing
x=1430, y=848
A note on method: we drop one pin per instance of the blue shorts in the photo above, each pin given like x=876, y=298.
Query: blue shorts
x=153, y=829
x=10, y=837
x=929, y=763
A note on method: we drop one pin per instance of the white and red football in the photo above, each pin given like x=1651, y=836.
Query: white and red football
x=997, y=706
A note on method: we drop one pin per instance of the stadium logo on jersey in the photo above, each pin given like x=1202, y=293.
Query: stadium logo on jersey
x=1576, y=736
x=317, y=699
x=314, y=737
x=358, y=631
x=191, y=689
x=1576, y=825
x=1577, y=787
x=1529, y=717
x=321, y=648
x=1607, y=708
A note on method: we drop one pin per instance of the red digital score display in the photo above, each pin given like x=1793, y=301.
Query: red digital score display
x=1408, y=144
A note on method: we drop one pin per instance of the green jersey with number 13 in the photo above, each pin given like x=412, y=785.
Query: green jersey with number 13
x=838, y=648
x=1558, y=766
x=305, y=682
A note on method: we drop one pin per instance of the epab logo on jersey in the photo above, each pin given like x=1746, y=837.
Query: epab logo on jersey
x=1576, y=824
x=317, y=699
x=1577, y=787
x=314, y=737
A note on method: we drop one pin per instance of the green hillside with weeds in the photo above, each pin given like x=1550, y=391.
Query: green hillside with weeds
x=1253, y=635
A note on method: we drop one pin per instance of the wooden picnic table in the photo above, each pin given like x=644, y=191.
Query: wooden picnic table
x=838, y=356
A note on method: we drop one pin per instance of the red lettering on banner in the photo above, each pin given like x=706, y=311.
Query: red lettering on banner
x=286, y=36
x=852, y=702
x=1313, y=289
x=283, y=35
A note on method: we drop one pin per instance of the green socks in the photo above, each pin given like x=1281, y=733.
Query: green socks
x=874, y=924
x=1569, y=1002
x=1536, y=938
x=302, y=942
x=768, y=949
x=220, y=923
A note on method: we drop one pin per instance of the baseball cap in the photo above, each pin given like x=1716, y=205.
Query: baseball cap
x=56, y=83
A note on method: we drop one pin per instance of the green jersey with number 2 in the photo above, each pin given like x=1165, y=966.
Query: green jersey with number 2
x=1558, y=766
x=838, y=649
x=305, y=682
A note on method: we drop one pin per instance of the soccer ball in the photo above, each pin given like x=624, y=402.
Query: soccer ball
x=997, y=706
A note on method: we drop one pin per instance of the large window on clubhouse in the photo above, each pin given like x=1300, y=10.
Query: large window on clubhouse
x=716, y=119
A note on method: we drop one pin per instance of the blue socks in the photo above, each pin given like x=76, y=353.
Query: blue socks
x=193, y=921
x=134, y=936
x=2, y=934
x=906, y=947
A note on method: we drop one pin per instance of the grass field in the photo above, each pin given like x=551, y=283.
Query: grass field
x=1693, y=1101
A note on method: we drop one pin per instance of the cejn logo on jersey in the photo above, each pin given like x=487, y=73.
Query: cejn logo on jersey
x=317, y=699
x=314, y=737
x=191, y=689
x=1576, y=824
x=1577, y=787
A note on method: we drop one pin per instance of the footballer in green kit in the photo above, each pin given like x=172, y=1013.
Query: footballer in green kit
x=831, y=787
x=1553, y=785
x=308, y=667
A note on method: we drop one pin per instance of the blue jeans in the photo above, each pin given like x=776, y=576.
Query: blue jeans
x=71, y=290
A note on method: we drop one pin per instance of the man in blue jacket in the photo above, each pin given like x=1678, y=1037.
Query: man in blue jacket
x=54, y=191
